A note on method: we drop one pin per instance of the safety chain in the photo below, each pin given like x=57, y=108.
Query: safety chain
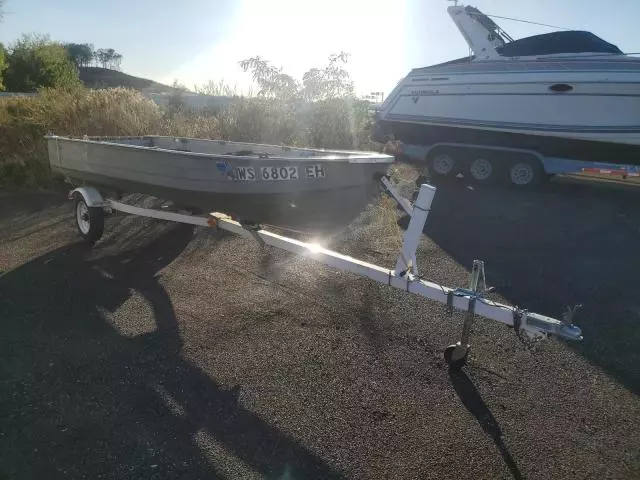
x=529, y=341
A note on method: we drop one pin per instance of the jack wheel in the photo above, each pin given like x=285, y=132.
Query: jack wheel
x=456, y=355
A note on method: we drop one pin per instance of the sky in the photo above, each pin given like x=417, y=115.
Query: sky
x=196, y=41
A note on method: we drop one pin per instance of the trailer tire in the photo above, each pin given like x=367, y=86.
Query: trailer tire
x=525, y=172
x=483, y=168
x=441, y=164
x=89, y=220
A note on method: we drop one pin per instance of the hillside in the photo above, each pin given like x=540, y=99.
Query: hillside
x=96, y=77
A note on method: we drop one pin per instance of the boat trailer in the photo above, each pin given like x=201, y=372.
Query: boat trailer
x=90, y=208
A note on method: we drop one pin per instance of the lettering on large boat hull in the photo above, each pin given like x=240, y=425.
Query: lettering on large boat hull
x=416, y=94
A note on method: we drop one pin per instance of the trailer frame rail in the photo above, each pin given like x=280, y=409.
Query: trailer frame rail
x=404, y=275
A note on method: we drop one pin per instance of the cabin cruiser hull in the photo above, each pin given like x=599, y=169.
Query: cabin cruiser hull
x=551, y=146
x=582, y=105
x=310, y=187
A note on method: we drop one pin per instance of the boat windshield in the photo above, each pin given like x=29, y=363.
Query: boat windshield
x=558, y=42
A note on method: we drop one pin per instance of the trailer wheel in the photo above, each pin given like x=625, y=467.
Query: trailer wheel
x=441, y=164
x=482, y=169
x=456, y=355
x=89, y=220
x=525, y=172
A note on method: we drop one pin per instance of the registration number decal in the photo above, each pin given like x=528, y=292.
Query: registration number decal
x=314, y=171
x=245, y=174
x=251, y=174
x=279, y=173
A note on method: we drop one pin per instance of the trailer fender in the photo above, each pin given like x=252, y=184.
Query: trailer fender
x=90, y=195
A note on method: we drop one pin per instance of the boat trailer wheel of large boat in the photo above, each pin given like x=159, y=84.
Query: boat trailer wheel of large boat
x=91, y=203
x=485, y=165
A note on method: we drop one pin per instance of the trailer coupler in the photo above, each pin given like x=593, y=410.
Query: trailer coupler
x=530, y=326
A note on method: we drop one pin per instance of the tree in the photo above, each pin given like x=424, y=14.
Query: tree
x=3, y=64
x=109, y=53
x=81, y=53
x=332, y=81
x=35, y=62
x=108, y=58
x=271, y=80
x=3, y=52
x=102, y=57
x=115, y=61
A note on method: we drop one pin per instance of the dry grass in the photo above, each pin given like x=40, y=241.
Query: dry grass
x=333, y=123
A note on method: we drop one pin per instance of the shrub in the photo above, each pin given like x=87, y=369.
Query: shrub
x=259, y=120
x=337, y=123
x=35, y=62
x=24, y=121
x=3, y=65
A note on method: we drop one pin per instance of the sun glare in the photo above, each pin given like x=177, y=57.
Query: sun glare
x=315, y=247
x=301, y=35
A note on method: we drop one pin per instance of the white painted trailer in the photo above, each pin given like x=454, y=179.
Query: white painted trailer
x=91, y=206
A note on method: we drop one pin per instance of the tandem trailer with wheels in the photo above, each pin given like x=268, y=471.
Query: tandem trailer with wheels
x=487, y=164
x=91, y=207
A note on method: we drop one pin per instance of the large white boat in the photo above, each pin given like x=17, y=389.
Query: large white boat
x=566, y=94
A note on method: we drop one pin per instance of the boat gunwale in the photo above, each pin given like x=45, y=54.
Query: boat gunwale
x=329, y=155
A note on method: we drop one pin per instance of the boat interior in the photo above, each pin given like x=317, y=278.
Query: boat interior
x=222, y=147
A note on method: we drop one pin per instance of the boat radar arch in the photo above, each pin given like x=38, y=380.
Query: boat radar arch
x=481, y=33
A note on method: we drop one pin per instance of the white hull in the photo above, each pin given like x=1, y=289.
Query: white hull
x=603, y=103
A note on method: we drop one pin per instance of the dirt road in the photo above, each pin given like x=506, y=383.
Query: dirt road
x=172, y=352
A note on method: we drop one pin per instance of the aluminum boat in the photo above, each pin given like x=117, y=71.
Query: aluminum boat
x=257, y=183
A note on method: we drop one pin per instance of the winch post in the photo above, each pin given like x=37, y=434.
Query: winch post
x=406, y=260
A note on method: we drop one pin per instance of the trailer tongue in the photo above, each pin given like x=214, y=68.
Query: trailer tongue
x=91, y=206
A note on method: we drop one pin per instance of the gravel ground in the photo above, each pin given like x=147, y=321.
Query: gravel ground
x=173, y=352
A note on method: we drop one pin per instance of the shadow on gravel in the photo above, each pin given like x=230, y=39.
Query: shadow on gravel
x=544, y=250
x=21, y=210
x=27, y=202
x=471, y=399
x=78, y=399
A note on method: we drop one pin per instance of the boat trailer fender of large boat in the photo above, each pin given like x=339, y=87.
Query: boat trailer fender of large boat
x=515, y=110
x=147, y=165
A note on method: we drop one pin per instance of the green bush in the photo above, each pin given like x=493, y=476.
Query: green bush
x=35, y=62
x=338, y=123
x=259, y=120
x=3, y=65
x=24, y=121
